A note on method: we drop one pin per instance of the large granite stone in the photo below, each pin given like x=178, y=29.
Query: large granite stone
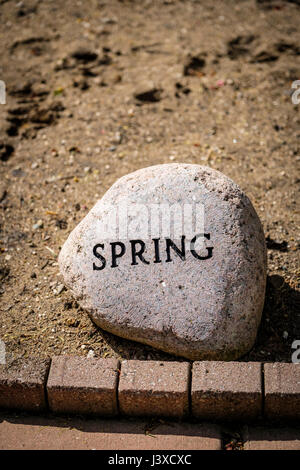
x=198, y=291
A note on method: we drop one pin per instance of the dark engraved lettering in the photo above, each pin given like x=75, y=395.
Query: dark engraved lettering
x=156, y=248
x=139, y=254
x=95, y=267
x=171, y=244
x=209, y=249
x=138, y=247
x=114, y=254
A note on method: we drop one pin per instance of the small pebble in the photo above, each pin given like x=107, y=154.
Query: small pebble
x=117, y=138
x=38, y=225
x=59, y=289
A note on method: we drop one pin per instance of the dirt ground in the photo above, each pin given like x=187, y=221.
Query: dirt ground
x=97, y=89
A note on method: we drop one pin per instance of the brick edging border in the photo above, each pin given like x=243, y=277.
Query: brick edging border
x=207, y=390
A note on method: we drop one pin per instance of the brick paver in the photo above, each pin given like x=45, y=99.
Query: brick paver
x=212, y=390
x=153, y=388
x=22, y=383
x=226, y=390
x=81, y=385
x=282, y=391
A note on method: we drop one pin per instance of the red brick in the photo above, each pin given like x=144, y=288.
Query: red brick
x=226, y=390
x=282, y=391
x=82, y=385
x=153, y=388
x=22, y=383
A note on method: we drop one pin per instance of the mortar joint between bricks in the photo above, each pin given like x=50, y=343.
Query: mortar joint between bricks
x=45, y=384
x=117, y=386
x=262, y=390
x=190, y=378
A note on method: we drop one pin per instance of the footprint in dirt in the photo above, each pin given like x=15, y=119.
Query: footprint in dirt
x=181, y=90
x=85, y=61
x=272, y=53
x=148, y=95
x=263, y=56
x=32, y=118
x=84, y=55
x=289, y=48
x=31, y=113
x=21, y=90
x=274, y=4
x=32, y=46
x=6, y=150
x=194, y=65
x=29, y=91
x=257, y=53
x=238, y=46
